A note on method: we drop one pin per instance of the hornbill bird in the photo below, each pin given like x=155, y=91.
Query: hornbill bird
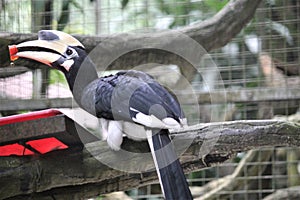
x=130, y=96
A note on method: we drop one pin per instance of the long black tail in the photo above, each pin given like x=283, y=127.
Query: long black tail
x=170, y=173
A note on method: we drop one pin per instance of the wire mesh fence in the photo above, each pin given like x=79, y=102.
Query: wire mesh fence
x=264, y=55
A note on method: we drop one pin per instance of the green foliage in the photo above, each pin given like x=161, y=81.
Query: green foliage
x=64, y=18
x=11, y=16
x=124, y=3
x=183, y=12
x=215, y=5
x=57, y=77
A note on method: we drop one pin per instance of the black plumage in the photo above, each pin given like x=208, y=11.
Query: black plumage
x=172, y=176
x=114, y=95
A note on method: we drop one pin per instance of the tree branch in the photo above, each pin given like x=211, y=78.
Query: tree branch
x=291, y=193
x=210, y=34
x=77, y=174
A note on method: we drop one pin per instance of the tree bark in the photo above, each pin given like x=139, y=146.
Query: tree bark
x=77, y=174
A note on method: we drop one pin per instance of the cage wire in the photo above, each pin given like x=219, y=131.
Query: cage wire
x=265, y=54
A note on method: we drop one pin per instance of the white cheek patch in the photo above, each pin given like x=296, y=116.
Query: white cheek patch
x=68, y=64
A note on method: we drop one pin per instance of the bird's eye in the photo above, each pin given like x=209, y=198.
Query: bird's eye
x=69, y=52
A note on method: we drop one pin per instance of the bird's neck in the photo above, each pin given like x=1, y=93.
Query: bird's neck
x=79, y=77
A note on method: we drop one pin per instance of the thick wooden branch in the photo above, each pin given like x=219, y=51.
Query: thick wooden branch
x=210, y=34
x=77, y=174
x=11, y=71
x=291, y=193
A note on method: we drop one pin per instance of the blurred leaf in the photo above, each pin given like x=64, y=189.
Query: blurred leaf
x=56, y=77
x=76, y=5
x=215, y=5
x=163, y=7
x=124, y=3
x=65, y=15
x=179, y=8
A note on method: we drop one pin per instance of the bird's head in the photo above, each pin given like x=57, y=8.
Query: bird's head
x=53, y=48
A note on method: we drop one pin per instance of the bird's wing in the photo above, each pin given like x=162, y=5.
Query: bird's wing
x=126, y=94
x=164, y=93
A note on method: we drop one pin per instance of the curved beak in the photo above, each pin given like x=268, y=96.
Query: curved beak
x=42, y=51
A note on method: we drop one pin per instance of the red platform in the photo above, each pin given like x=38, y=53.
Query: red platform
x=39, y=132
x=29, y=116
